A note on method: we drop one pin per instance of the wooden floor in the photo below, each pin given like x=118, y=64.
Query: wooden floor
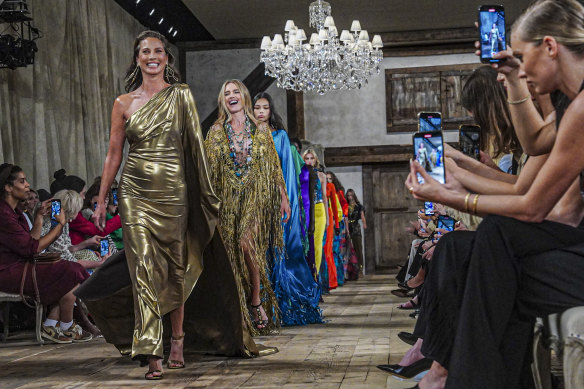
x=360, y=333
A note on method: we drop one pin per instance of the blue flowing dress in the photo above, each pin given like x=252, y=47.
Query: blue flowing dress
x=297, y=292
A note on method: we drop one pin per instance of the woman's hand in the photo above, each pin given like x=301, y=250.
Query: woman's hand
x=430, y=190
x=488, y=161
x=459, y=226
x=285, y=210
x=454, y=154
x=428, y=254
x=98, y=216
x=452, y=178
x=93, y=241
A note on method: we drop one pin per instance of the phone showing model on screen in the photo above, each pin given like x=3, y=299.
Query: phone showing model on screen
x=55, y=210
x=445, y=223
x=492, y=32
x=115, y=196
x=429, y=121
x=470, y=140
x=428, y=208
x=429, y=151
x=104, y=247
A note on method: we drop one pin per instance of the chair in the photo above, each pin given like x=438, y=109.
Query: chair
x=6, y=299
x=564, y=334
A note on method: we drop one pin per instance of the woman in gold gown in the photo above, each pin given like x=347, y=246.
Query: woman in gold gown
x=169, y=213
x=246, y=175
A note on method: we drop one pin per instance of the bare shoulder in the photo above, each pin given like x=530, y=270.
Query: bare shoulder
x=573, y=117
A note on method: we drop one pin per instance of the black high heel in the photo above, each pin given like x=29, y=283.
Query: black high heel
x=407, y=372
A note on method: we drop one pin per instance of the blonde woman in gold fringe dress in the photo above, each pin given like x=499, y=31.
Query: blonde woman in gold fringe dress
x=169, y=214
x=246, y=176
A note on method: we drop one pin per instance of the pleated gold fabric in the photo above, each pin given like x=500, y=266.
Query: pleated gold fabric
x=169, y=213
x=249, y=214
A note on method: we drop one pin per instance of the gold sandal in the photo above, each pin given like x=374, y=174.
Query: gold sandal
x=173, y=364
x=259, y=321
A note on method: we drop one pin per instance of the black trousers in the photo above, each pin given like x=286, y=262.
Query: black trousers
x=516, y=271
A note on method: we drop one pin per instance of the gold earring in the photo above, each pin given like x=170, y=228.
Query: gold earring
x=169, y=74
x=133, y=75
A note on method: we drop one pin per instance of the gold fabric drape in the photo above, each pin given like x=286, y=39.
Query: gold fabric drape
x=56, y=113
x=250, y=213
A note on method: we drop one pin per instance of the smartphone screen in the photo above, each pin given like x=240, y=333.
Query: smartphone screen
x=492, y=31
x=470, y=141
x=445, y=223
x=429, y=121
x=95, y=206
x=115, y=196
x=428, y=208
x=104, y=246
x=55, y=210
x=428, y=151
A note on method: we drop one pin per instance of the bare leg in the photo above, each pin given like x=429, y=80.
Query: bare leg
x=418, y=279
x=54, y=313
x=66, y=305
x=176, y=358
x=413, y=355
x=254, y=274
x=435, y=378
x=154, y=364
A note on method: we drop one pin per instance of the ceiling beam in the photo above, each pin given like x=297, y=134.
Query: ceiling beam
x=174, y=14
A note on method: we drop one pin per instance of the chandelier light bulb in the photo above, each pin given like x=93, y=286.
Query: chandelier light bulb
x=289, y=25
x=301, y=35
x=292, y=40
x=323, y=35
x=377, y=42
x=278, y=40
x=314, y=40
x=356, y=26
x=345, y=36
x=329, y=22
x=364, y=35
x=266, y=43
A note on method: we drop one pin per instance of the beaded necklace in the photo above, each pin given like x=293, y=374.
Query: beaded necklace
x=241, y=157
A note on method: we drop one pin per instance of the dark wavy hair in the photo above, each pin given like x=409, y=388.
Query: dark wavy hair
x=351, y=191
x=8, y=174
x=336, y=182
x=276, y=121
x=133, y=83
x=486, y=99
x=63, y=181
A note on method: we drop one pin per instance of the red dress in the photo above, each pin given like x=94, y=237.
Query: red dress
x=331, y=195
x=17, y=247
x=81, y=228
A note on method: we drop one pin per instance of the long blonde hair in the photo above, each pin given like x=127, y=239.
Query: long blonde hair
x=311, y=151
x=561, y=19
x=224, y=114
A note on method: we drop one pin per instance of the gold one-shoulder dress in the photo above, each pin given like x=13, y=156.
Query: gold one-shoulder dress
x=169, y=215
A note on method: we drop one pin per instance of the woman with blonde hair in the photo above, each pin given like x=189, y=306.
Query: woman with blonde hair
x=521, y=265
x=321, y=214
x=245, y=173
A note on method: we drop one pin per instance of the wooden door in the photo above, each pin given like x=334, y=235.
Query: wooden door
x=390, y=209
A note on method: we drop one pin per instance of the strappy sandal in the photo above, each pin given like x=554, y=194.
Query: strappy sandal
x=153, y=377
x=259, y=321
x=409, y=305
x=173, y=364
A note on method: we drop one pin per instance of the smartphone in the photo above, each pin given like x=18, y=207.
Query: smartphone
x=94, y=206
x=470, y=140
x=492, y=31
x=429, y=121
x=428, y=208
x=115, y=196
x=445, y=223
x=428, y=151
x=55, y=210
x=104, y=247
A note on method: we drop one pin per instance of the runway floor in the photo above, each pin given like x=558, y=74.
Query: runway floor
x=360, y=332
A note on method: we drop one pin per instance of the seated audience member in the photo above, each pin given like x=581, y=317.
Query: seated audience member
x=55, y=282
x=89, y=204
x=80, y=228
x=29, y=207
x=85, y=253
x=519, y=263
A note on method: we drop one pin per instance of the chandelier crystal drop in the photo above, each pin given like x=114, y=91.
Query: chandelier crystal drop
x=324, y=62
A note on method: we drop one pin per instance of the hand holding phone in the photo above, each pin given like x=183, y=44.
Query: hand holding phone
x=492, y=34
x=104, y=247
x=428, y=208
x=55, y=212
x=428, y=151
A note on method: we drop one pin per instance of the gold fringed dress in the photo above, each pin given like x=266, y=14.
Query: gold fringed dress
x=250, y=212
x=169, y=214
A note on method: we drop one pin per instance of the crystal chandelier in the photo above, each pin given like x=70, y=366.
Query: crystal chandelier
x=326, y=62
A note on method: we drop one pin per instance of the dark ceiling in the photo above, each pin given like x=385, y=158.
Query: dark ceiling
x=208, y=20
